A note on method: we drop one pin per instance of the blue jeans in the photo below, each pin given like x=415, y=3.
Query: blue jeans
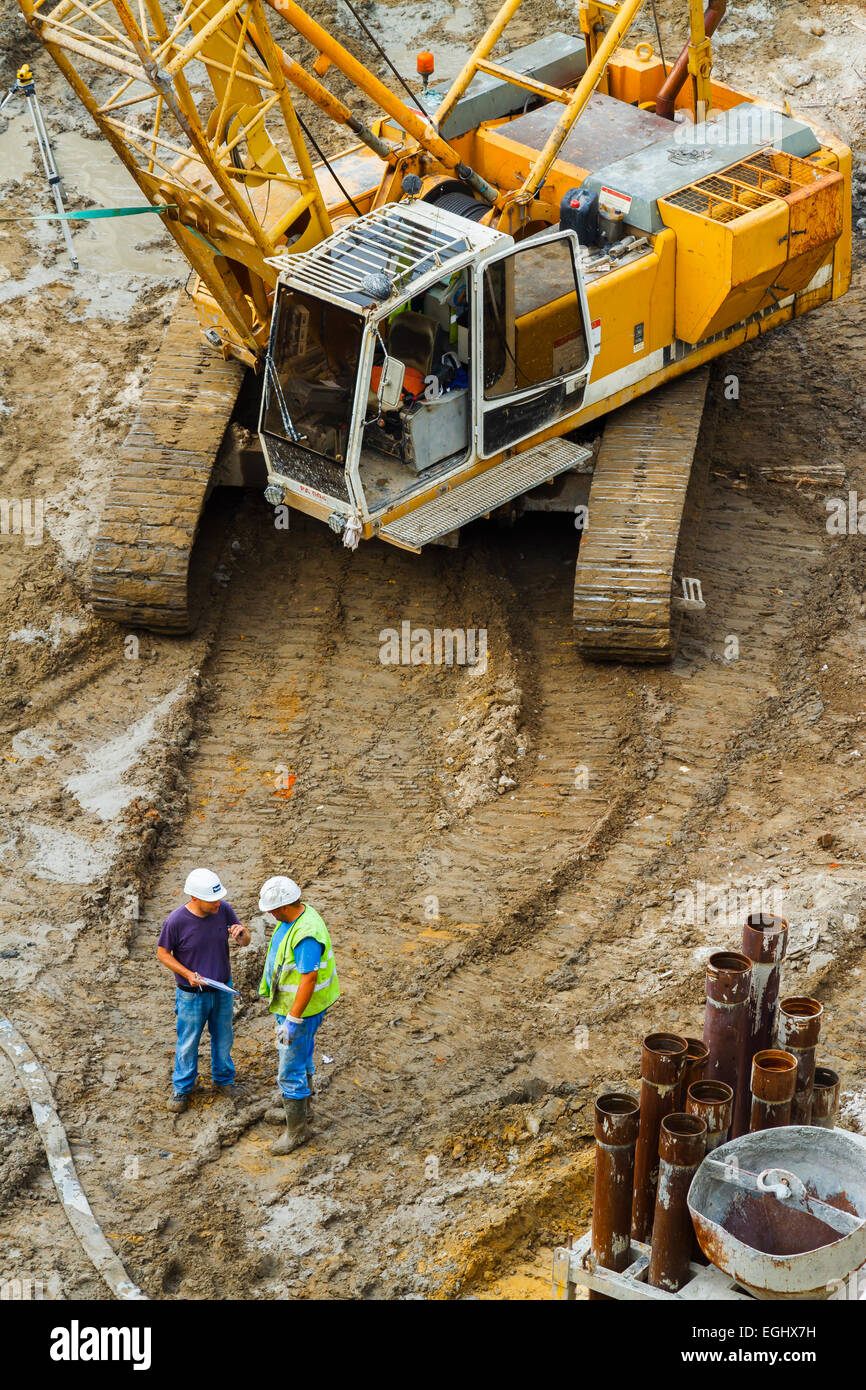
x=296, y=1061
x=214, y=1008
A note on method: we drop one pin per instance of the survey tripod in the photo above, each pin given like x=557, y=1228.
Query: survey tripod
x=26, y=88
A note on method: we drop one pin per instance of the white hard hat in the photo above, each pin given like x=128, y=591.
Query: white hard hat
x=278, y=892
x=204, y=885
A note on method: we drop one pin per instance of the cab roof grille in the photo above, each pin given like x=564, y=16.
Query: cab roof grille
x=401, y=242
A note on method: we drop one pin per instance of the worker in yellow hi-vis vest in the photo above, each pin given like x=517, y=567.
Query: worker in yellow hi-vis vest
x=300, y=982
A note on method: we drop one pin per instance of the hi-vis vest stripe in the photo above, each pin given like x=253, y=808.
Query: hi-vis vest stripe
x=286, y=978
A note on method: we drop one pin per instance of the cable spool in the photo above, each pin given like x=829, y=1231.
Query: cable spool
x=451, y=197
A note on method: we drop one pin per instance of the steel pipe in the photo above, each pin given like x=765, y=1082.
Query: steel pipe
x=798, y=1028
x=617, y=1117
x=325, y=100
x=662, y=1059
x=825, y=1098
x=765, y=941
x=672, y=86
x=365, y=81
x=694, y=1068
x=774, y=1076
x=713, y=1102
x=682, y=1143
x=726, y=1020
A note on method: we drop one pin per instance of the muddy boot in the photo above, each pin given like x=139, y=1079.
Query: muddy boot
x=296, y=1127
x=177, y=1103
x=275, y=1115
x=236, y=1092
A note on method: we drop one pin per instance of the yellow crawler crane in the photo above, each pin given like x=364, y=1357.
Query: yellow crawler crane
x=441, y=315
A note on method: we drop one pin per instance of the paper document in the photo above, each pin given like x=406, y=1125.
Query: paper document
x=215, y=984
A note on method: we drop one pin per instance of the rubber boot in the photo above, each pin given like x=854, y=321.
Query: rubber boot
x=275, y=1114
x=296, y=1127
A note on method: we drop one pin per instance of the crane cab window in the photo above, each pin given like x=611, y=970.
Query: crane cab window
x=316, y=352
x=533, y=328
x=431, y=430
x=534, y=342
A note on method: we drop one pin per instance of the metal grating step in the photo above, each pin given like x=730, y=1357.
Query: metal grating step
x=484, y=493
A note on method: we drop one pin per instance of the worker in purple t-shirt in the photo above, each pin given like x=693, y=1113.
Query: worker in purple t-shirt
x=194, y=944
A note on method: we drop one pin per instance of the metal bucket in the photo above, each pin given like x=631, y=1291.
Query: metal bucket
x=783, y=1211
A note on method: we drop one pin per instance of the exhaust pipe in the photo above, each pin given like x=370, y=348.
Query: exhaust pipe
x=682, y=1143
x=798, y=1028
x=726, y=1021
x=673, y=83
x=661, y=1063
x=774, y=1076
x=825, y=1098
x=765, y=942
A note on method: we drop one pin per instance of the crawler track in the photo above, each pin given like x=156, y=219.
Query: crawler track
x=141, y=557
x=644, y=505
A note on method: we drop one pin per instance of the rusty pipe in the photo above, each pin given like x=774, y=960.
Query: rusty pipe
x=713, y=1102
x=670, y=89
x=682, y=1143
x=662, y=1059
x=798, y=1028
x=765, y=941
x=694, y=1068
x=617, y=1117
x=825, y=1098
x=726, y=1020
x=774, y=1077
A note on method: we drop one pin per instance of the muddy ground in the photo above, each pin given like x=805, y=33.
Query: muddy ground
x=510, y=862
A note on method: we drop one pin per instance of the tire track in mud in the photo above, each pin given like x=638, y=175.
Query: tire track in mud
x=296, y=682
x=363, y=738
x=499, y=866
x=697, y=711
x=675, y=777
x=526, y=882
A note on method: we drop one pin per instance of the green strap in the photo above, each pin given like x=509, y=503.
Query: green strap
x=208, y=244
x=88, y=214
x=91, y=215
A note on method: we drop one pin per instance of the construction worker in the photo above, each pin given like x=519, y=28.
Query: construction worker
x=194, y=944
x=300, y=982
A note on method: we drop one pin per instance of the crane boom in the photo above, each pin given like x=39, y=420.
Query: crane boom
x=236, y=198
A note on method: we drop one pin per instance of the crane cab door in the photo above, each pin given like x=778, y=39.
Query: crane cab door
x=532, y=324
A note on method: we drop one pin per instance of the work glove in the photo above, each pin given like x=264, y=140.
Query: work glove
x=288, y=1030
